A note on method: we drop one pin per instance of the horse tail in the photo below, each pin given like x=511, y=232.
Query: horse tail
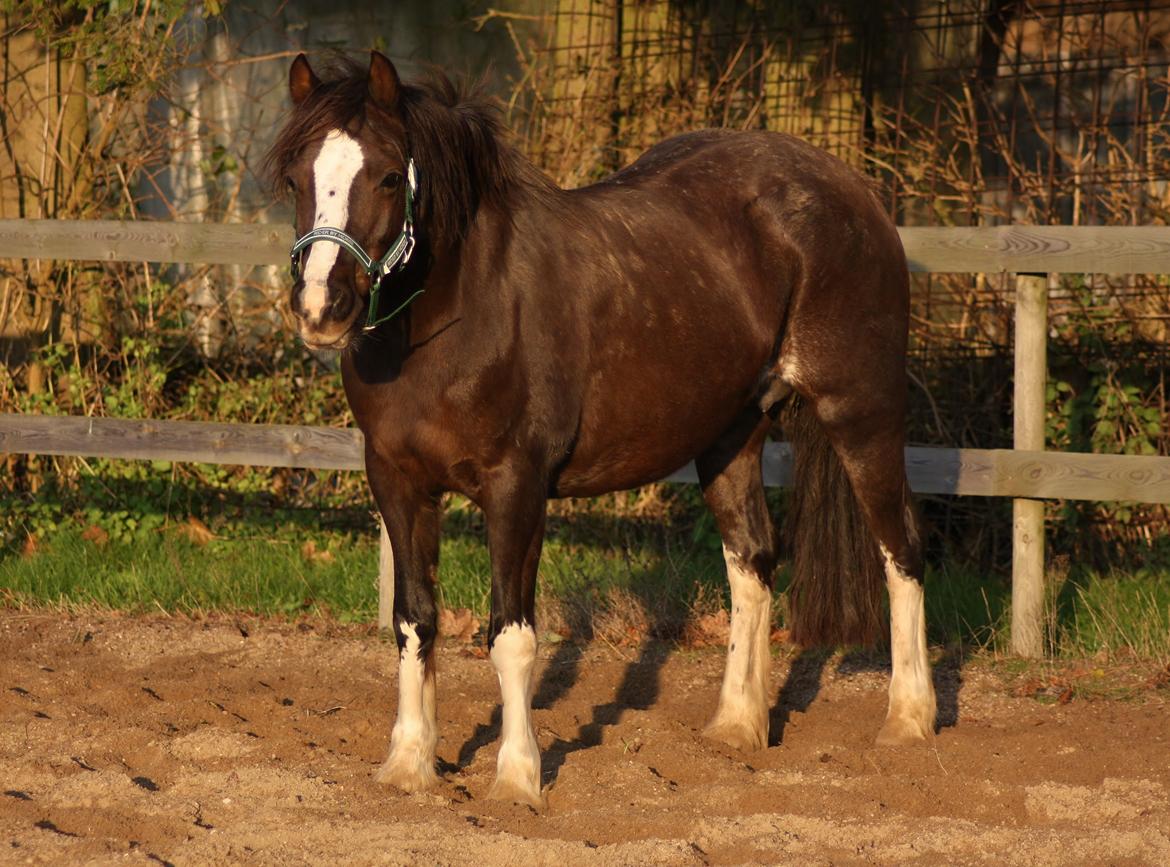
x=835, y=595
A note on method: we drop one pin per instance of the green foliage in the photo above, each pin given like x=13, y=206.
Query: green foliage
x=1111, y=407
x=218, y=162
x=133, y=500
x=128, y=44
x=1106, y=394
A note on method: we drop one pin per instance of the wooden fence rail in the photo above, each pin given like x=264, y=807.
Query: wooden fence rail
x=965, y=472
x=1025, y=473
x=1034, y=249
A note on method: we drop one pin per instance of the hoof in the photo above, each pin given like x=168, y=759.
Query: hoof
x=903, y=732
x=518, y=773
x=518, y=792
x=739, y=734
x=410, y=773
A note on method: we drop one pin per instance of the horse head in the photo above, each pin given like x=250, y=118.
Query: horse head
x=342, y=156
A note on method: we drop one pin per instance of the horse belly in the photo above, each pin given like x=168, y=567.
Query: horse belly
x=645, y=419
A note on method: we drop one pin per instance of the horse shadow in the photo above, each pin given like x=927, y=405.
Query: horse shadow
x=802, y=684
x=947, y=675
x=641, y=686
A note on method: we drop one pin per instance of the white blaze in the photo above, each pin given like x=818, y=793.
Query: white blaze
x=334, y=169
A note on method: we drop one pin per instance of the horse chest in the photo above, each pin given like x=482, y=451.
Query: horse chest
x=445, y=435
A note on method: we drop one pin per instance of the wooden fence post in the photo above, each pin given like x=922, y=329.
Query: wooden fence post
x=385, y=578
x=1029, y=401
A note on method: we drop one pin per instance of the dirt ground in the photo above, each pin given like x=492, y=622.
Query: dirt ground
x=167, y=740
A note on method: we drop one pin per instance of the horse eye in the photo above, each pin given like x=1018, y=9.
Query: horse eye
x=290, y=185
x=392, y=180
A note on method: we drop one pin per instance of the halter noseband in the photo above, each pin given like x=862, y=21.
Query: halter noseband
x=396, y=257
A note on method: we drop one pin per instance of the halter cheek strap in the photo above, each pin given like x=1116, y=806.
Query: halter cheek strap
x=396, y=257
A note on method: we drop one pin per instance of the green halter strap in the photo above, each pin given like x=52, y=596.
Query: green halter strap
x=396, y=257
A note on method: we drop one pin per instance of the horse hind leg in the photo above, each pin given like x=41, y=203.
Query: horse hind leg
x=912, y=708
x=870, y=447
x=733, y=488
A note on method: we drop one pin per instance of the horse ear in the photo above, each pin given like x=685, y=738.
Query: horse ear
x=301, y=79
x=384, y=85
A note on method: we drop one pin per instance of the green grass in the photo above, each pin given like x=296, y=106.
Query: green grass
x=576, y=571
x=169, y=573
x=1089, y=613
x=1113, y=614
x=262, y=567
x=600, y=575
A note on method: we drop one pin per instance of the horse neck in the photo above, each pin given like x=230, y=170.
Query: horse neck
x=469, y=274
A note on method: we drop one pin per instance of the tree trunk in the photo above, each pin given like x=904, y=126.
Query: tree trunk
x=43, y=122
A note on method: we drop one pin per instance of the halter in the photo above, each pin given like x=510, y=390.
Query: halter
x=376, y=269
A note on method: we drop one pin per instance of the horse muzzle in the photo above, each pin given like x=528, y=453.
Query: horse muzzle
x=326, y=316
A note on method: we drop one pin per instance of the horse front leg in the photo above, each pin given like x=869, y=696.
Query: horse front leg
x=515, y=513
x=412, y=522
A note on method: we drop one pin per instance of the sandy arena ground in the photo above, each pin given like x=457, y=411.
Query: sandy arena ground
x=135, y=740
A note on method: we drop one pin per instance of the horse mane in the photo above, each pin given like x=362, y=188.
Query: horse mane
x=453, y=133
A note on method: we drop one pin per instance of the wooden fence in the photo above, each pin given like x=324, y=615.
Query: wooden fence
x=1026, y=473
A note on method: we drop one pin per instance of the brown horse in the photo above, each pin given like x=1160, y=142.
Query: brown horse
x=513, y=341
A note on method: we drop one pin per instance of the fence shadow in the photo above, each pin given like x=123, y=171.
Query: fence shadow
x=639, y=689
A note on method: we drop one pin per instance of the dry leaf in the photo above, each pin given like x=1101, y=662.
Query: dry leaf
x=459, y=623
x=1029, y=688
x=309, y=552
x=94, y=533
x=708, y=629
x=31, y=546
x=195, y=531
